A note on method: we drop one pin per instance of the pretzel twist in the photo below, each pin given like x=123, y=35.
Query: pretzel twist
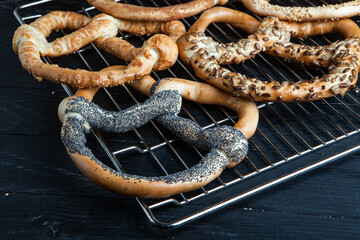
x=325, y=12
x=227, y=146
x=29, y=42
x=205, y=94
x=205, y=56
x=131, y=12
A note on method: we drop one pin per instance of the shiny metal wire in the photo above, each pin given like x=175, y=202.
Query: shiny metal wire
x=286, y=131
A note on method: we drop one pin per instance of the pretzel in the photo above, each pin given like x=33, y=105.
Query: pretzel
x=325, y=12
x=29, y=42
x=227, y=146
x=205, y=56
x=131, y=12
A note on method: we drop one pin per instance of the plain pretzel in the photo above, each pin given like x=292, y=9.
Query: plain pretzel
x=29, y=42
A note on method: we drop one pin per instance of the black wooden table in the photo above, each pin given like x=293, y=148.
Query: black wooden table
x=44, y=196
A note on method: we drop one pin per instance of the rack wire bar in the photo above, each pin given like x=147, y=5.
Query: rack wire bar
x=236, y=198
x=286, y=132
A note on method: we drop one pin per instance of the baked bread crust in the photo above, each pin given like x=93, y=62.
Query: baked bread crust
x=299, y=14
x=132, y=12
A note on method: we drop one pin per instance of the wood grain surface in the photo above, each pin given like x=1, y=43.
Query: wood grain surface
x=44, y=196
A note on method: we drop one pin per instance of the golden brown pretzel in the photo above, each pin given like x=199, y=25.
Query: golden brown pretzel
x=227, y=146
x=205, y=56
x=131, y=12
x=29, y=42
x=324, y=12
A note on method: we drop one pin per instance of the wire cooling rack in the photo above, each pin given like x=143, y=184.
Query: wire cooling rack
x=286, y=132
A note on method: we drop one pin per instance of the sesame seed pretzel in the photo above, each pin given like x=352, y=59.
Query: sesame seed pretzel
x=325, y=12
x=227, y=146
x=29, y=42
x=205, y=56
x=131, y=12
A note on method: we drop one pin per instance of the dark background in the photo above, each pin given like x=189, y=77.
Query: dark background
x=44, y=196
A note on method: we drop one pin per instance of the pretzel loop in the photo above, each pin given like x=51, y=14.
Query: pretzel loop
x=30, y=43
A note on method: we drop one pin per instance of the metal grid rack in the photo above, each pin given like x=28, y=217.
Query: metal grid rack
x=286, y=132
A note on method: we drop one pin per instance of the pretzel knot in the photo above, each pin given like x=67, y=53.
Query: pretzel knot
x=226, y=145
x=30, y=43
x=131, y=12
x=205, y=56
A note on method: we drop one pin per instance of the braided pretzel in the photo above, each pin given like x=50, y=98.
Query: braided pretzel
x=205, y=56
x=325, y=12
x=227, y=146
x=159, y=52
x=131, y=12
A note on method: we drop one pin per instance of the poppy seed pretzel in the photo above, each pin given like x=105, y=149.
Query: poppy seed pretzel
x=197, y=50
x=227, y=146
x=132, y=12
x=324, y=12
x=29, y=42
